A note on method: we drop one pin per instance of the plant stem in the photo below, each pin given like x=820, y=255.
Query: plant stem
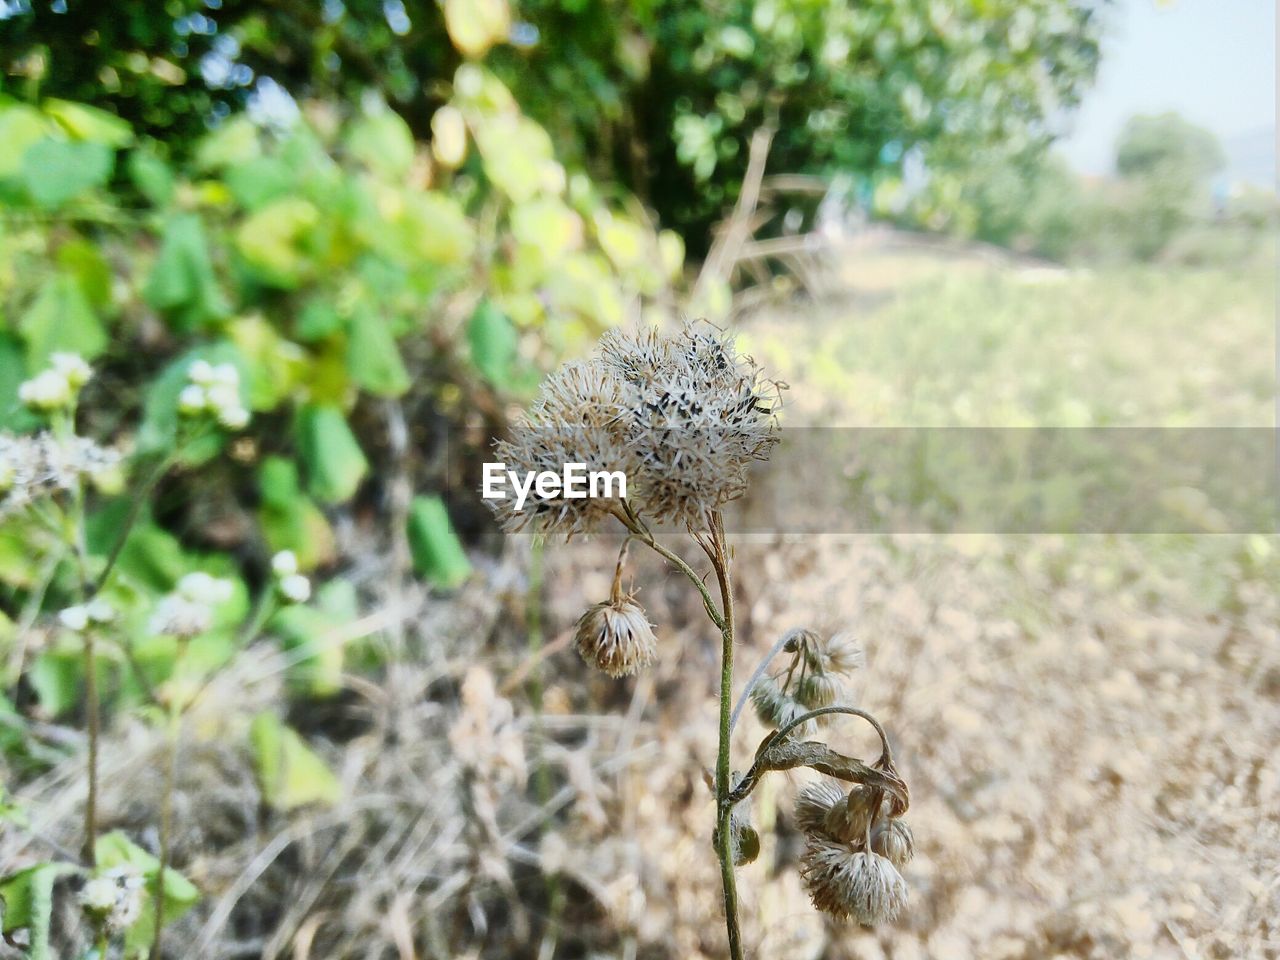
x=166, y=827
x=89, y=850
x=724, y=806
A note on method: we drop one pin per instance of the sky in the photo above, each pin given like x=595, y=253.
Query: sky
x=1213, y=61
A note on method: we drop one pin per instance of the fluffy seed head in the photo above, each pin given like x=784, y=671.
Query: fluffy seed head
x=682, y=416
x=617, y=637
x=851, y=884
x=849, y=819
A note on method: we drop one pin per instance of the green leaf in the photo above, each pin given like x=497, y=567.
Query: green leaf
x=182, y=282
x=290, y=520
x=435, y=227
x=493, y=342
x=55, y=677
x=289, y=773
x=61, y=319
x=272, y=240
x=55, y=171
x=373, y=359
x=13, y=370
x=260, y=181
x=150, y=175
x=334, y=462
x=383, y=142
x=21, y=127
x=233, y=142
x=114, y=850
x=28, y=904
x=89, y=123
x=311, y=635
x=84, y=261
x=271, y=363
x=437, y=553
x=318, y=319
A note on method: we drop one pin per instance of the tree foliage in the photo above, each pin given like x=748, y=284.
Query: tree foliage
x=661, y=96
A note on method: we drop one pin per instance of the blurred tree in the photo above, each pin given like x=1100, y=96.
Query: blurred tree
x=659, y=95
x=1168, y=146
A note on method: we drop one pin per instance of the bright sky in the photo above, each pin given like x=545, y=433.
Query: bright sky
x=1213, y=61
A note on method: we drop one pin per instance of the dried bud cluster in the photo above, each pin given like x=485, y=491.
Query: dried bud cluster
x=683, y=417
x=810, y=681
x=853, y=851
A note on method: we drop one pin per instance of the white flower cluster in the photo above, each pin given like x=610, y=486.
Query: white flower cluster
x=56, y=387
x=292, y=585
x=42, y=464
x=214, y=390
x=188, y=611
x=78, y=618
x=113, y=899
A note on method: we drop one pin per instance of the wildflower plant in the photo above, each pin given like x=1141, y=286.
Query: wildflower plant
x=46, y=480
x=685, y=417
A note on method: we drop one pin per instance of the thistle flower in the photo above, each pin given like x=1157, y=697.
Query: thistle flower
x=849, y=883
x=892, y=839
x=617, y=637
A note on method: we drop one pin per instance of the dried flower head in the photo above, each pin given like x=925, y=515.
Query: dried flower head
x=616, y=636
x=849, y=883
x=850, y=817
x=682, y=416
x=814, y=803
x=892, y=839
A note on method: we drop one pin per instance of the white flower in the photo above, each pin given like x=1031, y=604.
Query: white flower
x=192, y=400
x=73, y=369
x=200, y=372
x=205, y=588
x=99, y=896
x=226, y=374
x=179, y=616
x=74, y=618
x=100, y=611
x=222, y=396
x=284, y=563
x=296, y=588
x=233, y=418
x=48, y=390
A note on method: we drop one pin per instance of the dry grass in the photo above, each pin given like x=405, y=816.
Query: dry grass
x=1089, y=725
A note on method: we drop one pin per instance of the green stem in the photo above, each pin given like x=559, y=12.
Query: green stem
x=89, y=851
x=166, y=828
x=724, y=806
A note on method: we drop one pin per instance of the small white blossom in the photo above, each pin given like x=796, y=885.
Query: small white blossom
x=205, y=588
x=284, y=563
x=200, y=372
x=226, y=374
x=48, y=390
x=192, y=400
x=296, y=588
x=72, y=368
x=98, y=896
x=100, y=611
x=233, y=418
x=74, y=618
x=178, y=616
x=222, y=396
